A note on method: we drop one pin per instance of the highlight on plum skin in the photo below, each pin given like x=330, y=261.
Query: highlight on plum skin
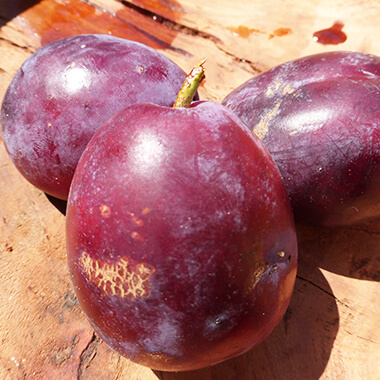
x=319, y=116
x=180, y=236
x=66, y=90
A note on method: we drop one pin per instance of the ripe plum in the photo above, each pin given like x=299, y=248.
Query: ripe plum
x=66, y=90
x=319, y=116
x=180, y=236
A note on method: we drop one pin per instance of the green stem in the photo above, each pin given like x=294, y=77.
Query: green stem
x=190, y=86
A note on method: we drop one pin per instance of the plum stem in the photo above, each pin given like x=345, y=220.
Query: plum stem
x=190, y=86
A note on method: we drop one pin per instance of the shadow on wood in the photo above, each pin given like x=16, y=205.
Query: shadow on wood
x=352, y=252
x=10, y=9
x=59, y=204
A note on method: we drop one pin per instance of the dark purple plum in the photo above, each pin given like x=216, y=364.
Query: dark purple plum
x=180, y=236
x=319, y=116
x=66, y=90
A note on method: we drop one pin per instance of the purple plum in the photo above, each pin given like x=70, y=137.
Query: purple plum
x=319, y=117
x=180, y=236
x=66, y=90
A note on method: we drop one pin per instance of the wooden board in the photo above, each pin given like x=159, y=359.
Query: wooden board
x=331, y=329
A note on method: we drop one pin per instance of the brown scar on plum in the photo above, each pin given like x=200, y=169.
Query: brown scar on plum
x=261, y=129
x=125, y=278
x=255, y=277
x=279, y=85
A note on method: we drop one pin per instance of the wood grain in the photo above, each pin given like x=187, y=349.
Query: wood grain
x=331, y=329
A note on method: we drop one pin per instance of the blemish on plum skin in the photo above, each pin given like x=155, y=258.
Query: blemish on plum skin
x=135, y=235
x=125, y=278
x=105, y=211
x=146, y=210
x=281, y=254
x=256, y=277
x=261, y=129
x=273, y=269
x=136, y=220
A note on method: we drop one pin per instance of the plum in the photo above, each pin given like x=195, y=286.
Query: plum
x=66, y=90
x=319, y=116
x=181, y=241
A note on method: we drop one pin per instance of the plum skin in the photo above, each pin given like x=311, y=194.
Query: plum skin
x=66, y=90
x=180, y=236
x=319, y=116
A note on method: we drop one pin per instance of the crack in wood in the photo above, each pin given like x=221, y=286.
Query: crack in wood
x=170, y=23
x=119, y=368
x=366, y=339
x=361, y=337
x=27, y=48
x=87, y=355
x=366, y=230
x=323, y=290
x=141, y=31
x=255, y=69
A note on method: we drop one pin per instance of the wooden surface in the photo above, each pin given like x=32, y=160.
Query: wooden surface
x=331, y=329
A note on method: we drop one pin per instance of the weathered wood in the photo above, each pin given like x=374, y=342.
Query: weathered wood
x=331, y=329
